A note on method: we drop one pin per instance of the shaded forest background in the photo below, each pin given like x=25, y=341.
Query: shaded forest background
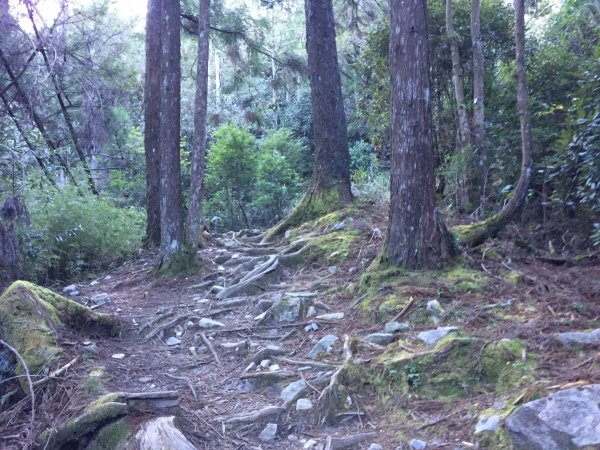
x=72, y=162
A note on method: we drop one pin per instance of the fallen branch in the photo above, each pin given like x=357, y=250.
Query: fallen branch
x=29, y=383
x=254, y=416
x=404, y=310
x=268, y=375
x=210, y=347
x=56, y=373
x=187, y=380
x=335, y=443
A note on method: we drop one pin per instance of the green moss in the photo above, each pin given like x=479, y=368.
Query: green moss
x=507, y=364
x=455, y=366
x=88, y=422
x=110, y=436
x=183, y=262
x=31, y=318
x=512, y=276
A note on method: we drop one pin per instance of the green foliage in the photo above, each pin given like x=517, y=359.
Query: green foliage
x=250, y=185
x=73, y=232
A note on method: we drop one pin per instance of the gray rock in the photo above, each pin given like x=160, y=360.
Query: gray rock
x=488, y=424
x=289, y=309
x=173, y=341
x=70, y=288
x=100, y=299
x=144, y=379
x=331, y=316
x=293, y=391
x=395, y=327
x=324, y=346
x=579, y=337
x=94, y=283
x=338, y=226
x=434, y=307
x=567, y=420
x=269, y=433
x=431, y=337
x=303, y=404
x=380, y=338
x=375, y=446
x=311, y=327
x=209, y=323
x=418, y=444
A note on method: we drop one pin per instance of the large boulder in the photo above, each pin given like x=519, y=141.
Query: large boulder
x=567, y=420
x=32, y=318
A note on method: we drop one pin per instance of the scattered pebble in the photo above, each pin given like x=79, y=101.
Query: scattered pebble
x=265, y=363
x=380, y=338
x=375, y=446
x=431, y=337
x=303, y=404
x=311, y=327
x=173, y=341
x=118, y=356
x=332, y=270
x=394, y=327
x=274, y=367
x=269, y=433
x=144, y=379
x=209, y=323
x=325, y=345
x=418, y=444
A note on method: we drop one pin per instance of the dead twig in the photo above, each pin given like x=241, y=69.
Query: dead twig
x=187, y=380
x=404, y=310
x=57, y=372
x=29, y=383
x=210, y=347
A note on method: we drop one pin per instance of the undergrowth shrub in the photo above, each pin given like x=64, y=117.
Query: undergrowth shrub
x=72, y=233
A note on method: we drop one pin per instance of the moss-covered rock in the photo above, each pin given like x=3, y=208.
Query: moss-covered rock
x=111, y=436
x=455, y=366
x=32, y=317
x=92, y=419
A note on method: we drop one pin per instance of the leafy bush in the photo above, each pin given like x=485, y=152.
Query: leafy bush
x=362, y=157
x=250, y=186
x=72, y=232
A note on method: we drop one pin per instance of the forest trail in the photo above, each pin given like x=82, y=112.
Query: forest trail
x=236, y=364
x=237, y=340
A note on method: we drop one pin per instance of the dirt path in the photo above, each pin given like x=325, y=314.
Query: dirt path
x=228, y=370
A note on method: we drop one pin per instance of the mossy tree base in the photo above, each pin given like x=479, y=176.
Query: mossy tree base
x=314, y=204
x=182, y=262
x=31, y=318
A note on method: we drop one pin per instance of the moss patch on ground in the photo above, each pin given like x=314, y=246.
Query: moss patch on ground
x=387, y=288
x=456, y=366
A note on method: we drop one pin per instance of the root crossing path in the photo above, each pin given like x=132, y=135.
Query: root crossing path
x=254, y=345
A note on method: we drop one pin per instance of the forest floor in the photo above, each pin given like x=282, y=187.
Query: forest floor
x=523, y=296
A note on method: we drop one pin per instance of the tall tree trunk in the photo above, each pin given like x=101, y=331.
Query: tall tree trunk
x=331, y=176
x=152, y=100
x=194, y=217
x=171, y=222
x=58, y=92
x=330, y=185
x=416, y=237
x=475, y=234
x=478, y=103
x=464, y=130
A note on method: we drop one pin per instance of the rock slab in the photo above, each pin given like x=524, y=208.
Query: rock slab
x=567, y=420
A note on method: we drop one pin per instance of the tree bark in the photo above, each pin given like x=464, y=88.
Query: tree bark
x=171, y=223
x=416, y=238
x=478, y=103
x=475, y=234
x=332, y=159
x=152, y=100
x=194, y=218
x=330, y=185
x=464, y=130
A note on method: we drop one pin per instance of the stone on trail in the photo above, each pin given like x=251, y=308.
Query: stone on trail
x=311, y=327
x=209, y=323
x=173, y=341
x=375, y=446
x=490, y=424
x=303, y=404
x=394, y=327
x=269, y=433
x=100, y=299
x=417, y=444
x=380, y=338
x=331, y=316
x=289, y=309
x=324, y=346
x=431, y=337
x=579, y=337
x=292, y=391
x=118, y=356
x=566, y=420
x=70, y=288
